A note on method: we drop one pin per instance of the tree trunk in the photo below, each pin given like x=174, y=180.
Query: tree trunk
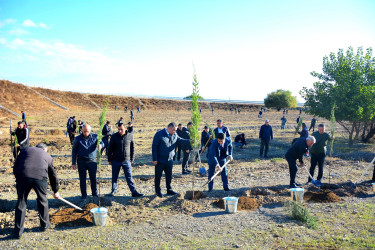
x=351, y=140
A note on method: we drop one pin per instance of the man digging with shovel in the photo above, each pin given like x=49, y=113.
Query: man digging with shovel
x=220, y=149
x=31, y=170
x=296, y=151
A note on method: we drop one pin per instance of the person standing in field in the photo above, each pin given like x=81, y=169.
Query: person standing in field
x=298, y=119
x=304, y=132
x=32, y=169
x=163, y=150
x=84, y=153
x=265, y=136
x=319, y=151
x=213, y=111
x=106, y=133
x=70, y=121
x=72, y=131
x=180, y=130
x=312, y=126
x=260, y=114
x=186, y=153
x=22, y=134
x=131, y=115
x=283, y=122
x=24, y=117
x=220, y=149
x=221, y=129
x=121, y=155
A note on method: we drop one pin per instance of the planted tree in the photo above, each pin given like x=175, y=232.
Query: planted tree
x=102, y=121
x=280, y=99
x=333, y=124
x=348, y=81
x=195, y=120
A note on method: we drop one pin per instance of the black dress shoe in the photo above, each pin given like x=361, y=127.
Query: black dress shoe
x=83, y=197
x=136, y=194
x=160, y=195
x=185, y=172
x=95, y=195
x=171, y=192
x=226, y=189
x=188, y=170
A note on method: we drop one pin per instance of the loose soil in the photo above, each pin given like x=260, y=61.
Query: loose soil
x=194, y=195
x=73, y=217
x=322, y=196
x=244, y=203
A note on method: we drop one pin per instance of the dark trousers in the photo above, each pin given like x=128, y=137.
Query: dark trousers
x=83, y=167
x=177, y=152
x=293, y=168
x=185, y=161
x=127, y=167
x=373, y=175
x=71, y=137
x=159, y=168
x=24, y=186
x=105, y=142
x=312, y=126
x=224, y=174
x=264, y=145
x=317, y=159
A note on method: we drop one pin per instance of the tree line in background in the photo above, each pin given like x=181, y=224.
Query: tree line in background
x=346, y=88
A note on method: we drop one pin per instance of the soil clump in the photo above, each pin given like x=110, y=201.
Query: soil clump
x=322, y=196
x=73, y=217
x=194, y=195
x=244, y=203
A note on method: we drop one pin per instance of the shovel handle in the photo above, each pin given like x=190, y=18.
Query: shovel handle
x=221, y=168
x=65, y=201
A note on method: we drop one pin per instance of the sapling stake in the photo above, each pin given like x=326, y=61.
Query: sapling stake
x=102, y=121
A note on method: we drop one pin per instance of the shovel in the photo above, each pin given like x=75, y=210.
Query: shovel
x=221, y=169
x=67, y=202
x=314, y=182
x=354, y=185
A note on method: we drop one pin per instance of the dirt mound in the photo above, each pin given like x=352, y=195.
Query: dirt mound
x=322, y=196
x=244, y=203
x=186, y=207
x=194, y=195
x=73, y=217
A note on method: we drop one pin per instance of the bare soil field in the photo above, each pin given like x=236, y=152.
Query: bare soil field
x=345, y=216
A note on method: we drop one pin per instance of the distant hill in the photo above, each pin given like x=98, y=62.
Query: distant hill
x=34, y=100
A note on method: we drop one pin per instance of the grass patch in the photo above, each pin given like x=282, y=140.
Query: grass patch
x=277, y=159
x=300, y=213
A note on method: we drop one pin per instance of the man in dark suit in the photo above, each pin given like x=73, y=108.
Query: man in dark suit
x=265, y=136
x=186, y=154
x=221, y=129
x=296, y=151
x=32, y=169
x=220, y=149
x=163, y=150
x=180, y=130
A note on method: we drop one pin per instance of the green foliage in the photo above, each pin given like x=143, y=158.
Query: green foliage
x=280, y=99
x=299, y=125
x=191, y=97
x=333, y=124
x=300, y=213
x=15, y=140
x=348, y=81
x=195, y=115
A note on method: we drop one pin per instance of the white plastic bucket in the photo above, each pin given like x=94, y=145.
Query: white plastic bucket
x=373, y=187
x=230, y=204
x=99, y=216
x=297, y=194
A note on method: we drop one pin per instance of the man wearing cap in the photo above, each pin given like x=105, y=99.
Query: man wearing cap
x=163, y=150
x=318, y=151
x=296, y=151
x=220, y=149
x=22, y=134
x=221, y=129
x=121, y=155
x=84, y=153
x=265, y=136
x=106, y=132
x=32, y=169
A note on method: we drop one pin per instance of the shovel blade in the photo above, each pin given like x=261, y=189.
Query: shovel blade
x=317, y=183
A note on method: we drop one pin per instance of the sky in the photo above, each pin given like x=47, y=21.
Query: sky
x=240, y=50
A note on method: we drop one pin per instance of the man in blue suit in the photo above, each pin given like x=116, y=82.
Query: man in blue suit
x=163, y=151
x=220, y=149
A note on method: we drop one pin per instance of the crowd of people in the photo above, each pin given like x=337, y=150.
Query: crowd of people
x=33, y=165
